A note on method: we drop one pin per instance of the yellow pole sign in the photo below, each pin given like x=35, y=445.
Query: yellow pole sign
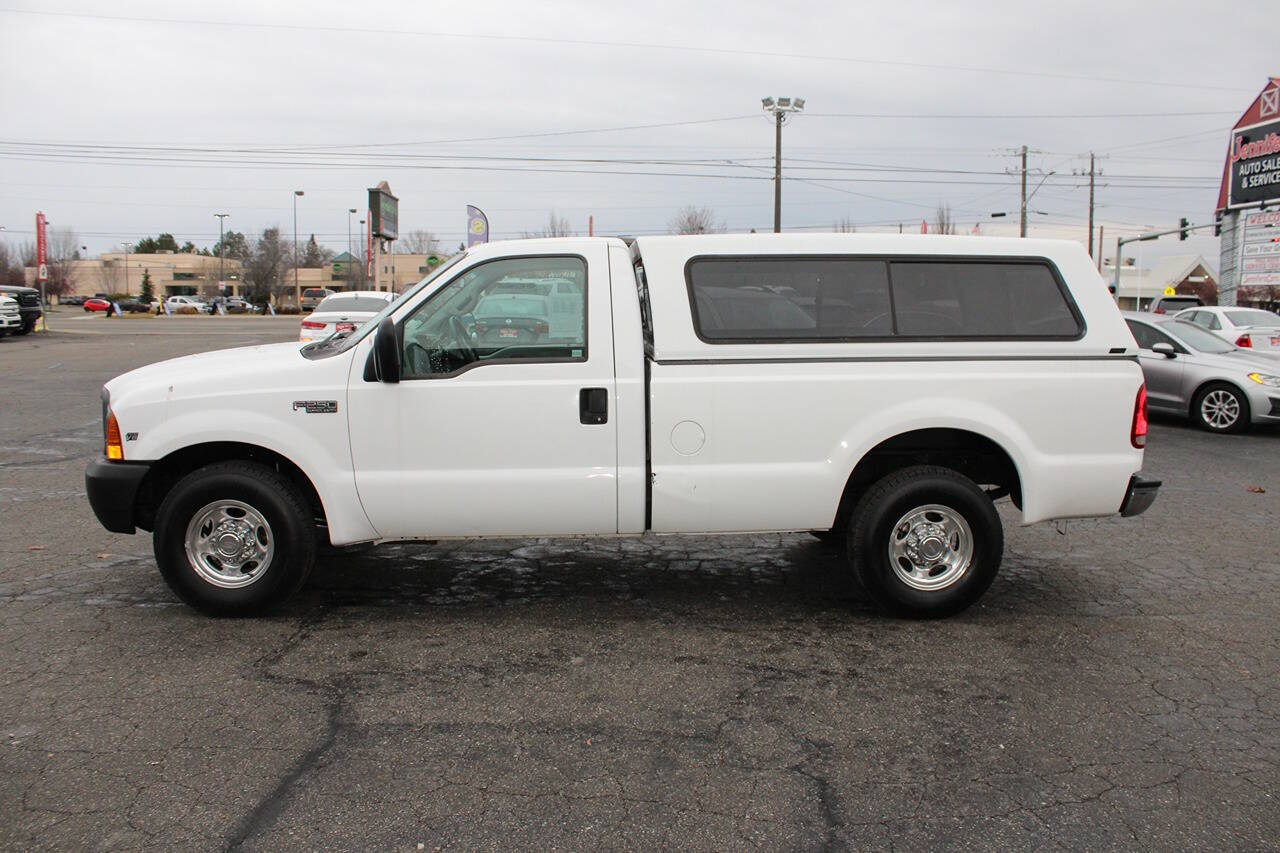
x=1169, y=291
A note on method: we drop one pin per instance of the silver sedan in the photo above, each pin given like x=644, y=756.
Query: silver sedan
x=1191, y=371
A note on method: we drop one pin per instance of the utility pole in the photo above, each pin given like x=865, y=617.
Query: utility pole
x=350, y=257
x=1091, y=207
x=1101, y=229
x=779, y=108
x=297, y=291
x=1022, y=225
x=222, y=252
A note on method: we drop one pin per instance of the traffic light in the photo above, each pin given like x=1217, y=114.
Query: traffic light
x=1183, y=223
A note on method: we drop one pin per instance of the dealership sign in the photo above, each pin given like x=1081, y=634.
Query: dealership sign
x=384, y=212
x=1251, y=176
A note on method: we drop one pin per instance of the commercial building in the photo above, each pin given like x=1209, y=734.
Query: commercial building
x=1188, y=275
x=172, y=273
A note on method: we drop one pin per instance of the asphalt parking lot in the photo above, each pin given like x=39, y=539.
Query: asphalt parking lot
x=1119, y=686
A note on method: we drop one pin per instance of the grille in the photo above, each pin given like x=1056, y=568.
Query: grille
x=28, y=299
x=1275, y=406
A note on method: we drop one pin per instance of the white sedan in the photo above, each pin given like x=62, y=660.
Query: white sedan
x=343, y=312
x=1248, y=328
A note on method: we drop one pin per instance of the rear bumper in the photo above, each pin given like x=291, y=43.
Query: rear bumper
x=113, y=489
x=1140, y=495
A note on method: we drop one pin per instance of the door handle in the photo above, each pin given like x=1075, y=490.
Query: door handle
x=593, y=406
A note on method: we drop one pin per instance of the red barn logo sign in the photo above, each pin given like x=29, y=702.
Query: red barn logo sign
x=1251, y=175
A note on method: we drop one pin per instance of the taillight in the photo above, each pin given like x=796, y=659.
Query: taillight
x=1157, y=310
x=312, y=324
x=1244, y=341
x=1138, y=433
x=346, y=327
x=540, y=328
x=115, y=447
x=481, y=327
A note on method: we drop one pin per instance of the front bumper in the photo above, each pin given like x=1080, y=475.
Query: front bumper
x=10, y=321
x=1140, y=495
x=113, y=489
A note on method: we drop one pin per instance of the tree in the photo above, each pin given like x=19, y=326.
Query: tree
x=557, y=226
x=235, y=245
x=942, y=222
x=263, y=267
x=11, y=274
x=420, y=242
x=845, y=226
x=315, y=256
x=188, y=248
x=147, y=293
x=695, y=220
x=153, y=245
x=62, y=249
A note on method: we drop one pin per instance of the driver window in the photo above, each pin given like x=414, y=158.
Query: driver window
x=532, y=309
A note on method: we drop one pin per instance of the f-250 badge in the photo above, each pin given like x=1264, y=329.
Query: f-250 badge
x=316, y=407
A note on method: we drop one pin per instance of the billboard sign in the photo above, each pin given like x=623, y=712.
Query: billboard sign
x=384, y=212
x=477, y=226
x=1251, y=175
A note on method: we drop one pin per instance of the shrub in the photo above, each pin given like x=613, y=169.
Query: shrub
x=288, y=309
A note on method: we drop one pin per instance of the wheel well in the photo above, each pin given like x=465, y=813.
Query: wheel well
x=1208, y=383
x=165, y=473
x=975, y=456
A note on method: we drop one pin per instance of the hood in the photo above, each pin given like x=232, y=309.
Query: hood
x=219, y=370
x=1239, y=360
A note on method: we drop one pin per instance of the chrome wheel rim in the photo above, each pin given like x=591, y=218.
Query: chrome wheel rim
x=1220, y=409
x=229, y=544
x=931, y=547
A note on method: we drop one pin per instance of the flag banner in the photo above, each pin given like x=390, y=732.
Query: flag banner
x=168, y=312
x=222, y=312
x=42, y=249
x=924, y=226
x=477, y=226
x=271, y=309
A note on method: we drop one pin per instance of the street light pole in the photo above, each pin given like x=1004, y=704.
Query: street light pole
x=350, y=256
x=297, y=291
x=780, y=108
x=222, y=251
x=126, y=268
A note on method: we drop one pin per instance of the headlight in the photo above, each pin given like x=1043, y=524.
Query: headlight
x=1266, y=379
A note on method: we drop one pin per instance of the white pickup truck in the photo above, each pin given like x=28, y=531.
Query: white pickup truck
x=880, y=391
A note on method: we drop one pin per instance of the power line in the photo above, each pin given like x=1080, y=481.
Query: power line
x=714, y=51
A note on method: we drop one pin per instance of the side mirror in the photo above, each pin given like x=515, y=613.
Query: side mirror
x=1165, y=349
x=386, y=352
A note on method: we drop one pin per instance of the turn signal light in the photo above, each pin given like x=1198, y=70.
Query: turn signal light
x=1138, y=433
x=115, y=447
x=1244, y=341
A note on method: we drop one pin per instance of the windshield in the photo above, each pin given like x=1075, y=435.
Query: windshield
x=1253, y=317
x=1196, y=337
x=343, y=341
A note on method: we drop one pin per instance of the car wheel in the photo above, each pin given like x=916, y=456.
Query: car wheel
x=234, y=539
x=25, y=329
x=1220, y=408
x=925, y=542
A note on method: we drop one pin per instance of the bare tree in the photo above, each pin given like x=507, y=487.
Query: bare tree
x=557, y=226
x=695, y=220
x=11, y=273
x=942, y=222
x=420, y=242
x=111, y=276
x=845, y=226
x=63, y=249
x=263, y=272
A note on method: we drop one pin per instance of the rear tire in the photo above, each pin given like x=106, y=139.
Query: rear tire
x=234, y=539
x=1220, y=408
x=925, y=542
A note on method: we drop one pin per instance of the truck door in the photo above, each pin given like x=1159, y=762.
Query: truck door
x=497, y=427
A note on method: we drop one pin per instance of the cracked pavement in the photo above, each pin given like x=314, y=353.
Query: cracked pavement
x=1118, y=687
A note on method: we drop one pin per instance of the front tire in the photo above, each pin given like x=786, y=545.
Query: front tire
x=925, y=542
x=1220, y=408
x=234, y=539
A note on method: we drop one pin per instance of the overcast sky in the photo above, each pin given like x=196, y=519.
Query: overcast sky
x=360, y=93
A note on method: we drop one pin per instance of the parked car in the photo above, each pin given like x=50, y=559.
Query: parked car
x=343, y=312
x=313, y=296
x=28, y=299
x=238, y=305
x=502, y=319
x=1248, y=328
x=10, y=316
x=1192, y=372
x=73, y=299
x=95, y=303
x=1174, y=304
x=177, y=303
x=662, y=416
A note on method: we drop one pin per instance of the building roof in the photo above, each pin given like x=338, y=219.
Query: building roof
x=1168, y=272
